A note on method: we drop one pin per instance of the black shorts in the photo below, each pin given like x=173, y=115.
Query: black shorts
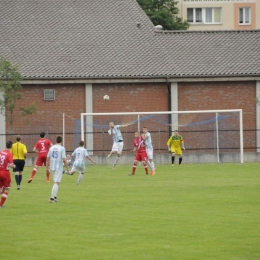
x=19, y=165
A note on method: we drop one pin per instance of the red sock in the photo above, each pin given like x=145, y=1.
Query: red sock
x=133, y=168
x=33, y=172
x=48, y=174
x=146, y=168
x=4, y=197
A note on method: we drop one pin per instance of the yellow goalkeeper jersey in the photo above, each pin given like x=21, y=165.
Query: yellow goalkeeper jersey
x=175, y=141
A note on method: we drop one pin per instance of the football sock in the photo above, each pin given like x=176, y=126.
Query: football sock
x=134, y=168
x=173, y=158
x=81, y=175
x=20, y=179
x=4, y=197
x=54, y=190
x=146, y=169
x=47, y=175
x=116, y=160
x=149, y=164
x=33, y=172
x=17, y=179
x=152, y=166
x=180, y=160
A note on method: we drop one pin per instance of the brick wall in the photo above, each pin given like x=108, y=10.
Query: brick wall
x=70, y=99
x=222, y=95
x=130, y=98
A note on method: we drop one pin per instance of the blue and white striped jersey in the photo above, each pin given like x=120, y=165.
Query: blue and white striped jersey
x=56, y=154
x=80, y=154
x=117, y=136
x=148, y=142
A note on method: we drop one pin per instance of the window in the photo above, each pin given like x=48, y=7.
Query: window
x=245, y=15
x=49, y=94
x=204, y=15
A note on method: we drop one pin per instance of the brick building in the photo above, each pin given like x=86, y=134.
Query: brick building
x=78, y=51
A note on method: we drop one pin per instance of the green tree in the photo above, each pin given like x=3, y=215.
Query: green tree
x=10, y=86
x=164, y=13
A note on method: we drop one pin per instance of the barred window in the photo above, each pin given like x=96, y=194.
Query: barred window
x=49, y=94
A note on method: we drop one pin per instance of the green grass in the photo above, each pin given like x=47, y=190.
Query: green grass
x=188, y=212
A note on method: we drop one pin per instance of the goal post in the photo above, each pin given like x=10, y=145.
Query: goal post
x=222, y=129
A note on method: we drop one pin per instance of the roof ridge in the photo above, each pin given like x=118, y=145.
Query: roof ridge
x=203, y=31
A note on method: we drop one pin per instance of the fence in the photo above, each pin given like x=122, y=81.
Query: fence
x=195, y=141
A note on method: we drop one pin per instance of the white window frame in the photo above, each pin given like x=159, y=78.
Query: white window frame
x=49, y=94
x=204, y=15
x=244, y=15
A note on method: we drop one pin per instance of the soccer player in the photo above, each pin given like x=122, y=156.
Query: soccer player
x=55, y=159
x=6, y=162
x=141, y=155
x=175, y=146
x=19, y=152
x=42, y=148
x=79, y=156
x=69, y=160
x=149, y=149
x=118, y=142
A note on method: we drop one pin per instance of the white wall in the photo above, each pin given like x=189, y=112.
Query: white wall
x=258, y=116
x=88, y=119
x=174, y=104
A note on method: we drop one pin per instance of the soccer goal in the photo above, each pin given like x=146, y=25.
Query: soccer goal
x=213, y=133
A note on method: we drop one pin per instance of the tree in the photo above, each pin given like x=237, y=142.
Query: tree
x=10, y=86
x=164, y=13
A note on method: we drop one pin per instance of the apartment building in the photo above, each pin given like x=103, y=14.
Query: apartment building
x=221, y=14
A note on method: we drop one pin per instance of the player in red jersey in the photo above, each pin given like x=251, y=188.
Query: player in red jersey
x=42, y=148
x=141, y=155
x=6, y=162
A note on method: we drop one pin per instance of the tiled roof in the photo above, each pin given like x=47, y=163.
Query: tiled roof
x=101, y=38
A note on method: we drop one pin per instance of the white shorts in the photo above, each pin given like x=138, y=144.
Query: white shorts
x=118, y=147
x=76, y=168
x=149, y=154
x=57, y=175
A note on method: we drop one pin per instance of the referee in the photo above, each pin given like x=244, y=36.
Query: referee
x=19, y=152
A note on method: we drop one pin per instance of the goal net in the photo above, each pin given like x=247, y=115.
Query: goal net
x=215, y=133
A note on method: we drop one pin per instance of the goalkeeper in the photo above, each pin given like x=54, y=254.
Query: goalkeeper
x=175, y=146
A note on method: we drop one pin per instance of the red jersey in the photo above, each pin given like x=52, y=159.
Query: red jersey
x=139, y=145
x=43, y=146
x=6, y=158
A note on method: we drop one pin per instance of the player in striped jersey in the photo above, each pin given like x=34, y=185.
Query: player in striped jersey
x=79, y=156
x=118, y=142
x=149, y=149
x=55, y=159
x=175, y=146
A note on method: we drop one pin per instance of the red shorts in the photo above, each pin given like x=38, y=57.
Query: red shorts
x=5, y=179
x=141, y=157
x=41, y=160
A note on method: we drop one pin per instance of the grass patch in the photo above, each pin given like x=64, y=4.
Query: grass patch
x=184, y=212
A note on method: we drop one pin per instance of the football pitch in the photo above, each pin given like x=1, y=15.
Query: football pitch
x=188, y=212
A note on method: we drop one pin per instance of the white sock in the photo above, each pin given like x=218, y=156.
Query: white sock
x=149, y=164
x=152, y=166
x=81, y=175
x=54, y=190
x=116, y=160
